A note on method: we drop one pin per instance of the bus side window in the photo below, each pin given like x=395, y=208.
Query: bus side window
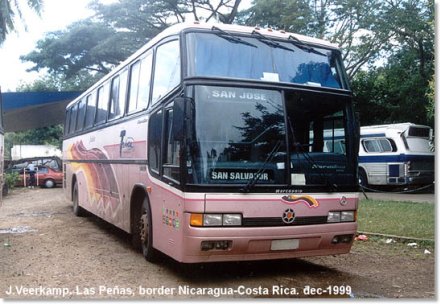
x=114, y=110
x=154, y=141
x=134, y=87
x=73, y=117
x=378, y=145
x=167, y=69
x=81, y=115
x=101, y=109
x=140, y=78
x=172, y=149
x=67, y=123
x=145, y=82
x=117, y=97
x=90, y=110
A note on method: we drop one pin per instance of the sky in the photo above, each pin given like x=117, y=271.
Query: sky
x=57, y=15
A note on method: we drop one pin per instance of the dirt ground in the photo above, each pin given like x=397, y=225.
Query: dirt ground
x=47, y=252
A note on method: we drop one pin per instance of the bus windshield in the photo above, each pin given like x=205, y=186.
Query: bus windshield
x=261, y=58
x=256, y=131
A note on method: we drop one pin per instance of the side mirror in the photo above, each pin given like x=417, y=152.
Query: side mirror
x=179, y=117
x=357, y=132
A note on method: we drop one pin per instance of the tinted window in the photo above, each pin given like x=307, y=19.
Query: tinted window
x=118, y=92
x=114, y=99
x=154, y=141
x=90, y=111
x=379, y=145
x=101, y=111
x=167, y=69
x=140, y=84
x=73, y=116
x=419, y=132
x=213, y=55
x=134, y=87
x=67, y=124
x=81, y=114
x=172, y=152
x=43, y=170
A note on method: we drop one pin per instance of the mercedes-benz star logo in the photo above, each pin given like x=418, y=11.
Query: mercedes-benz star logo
x=288, y=216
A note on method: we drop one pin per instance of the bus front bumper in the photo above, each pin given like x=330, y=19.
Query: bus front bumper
x=261, y=243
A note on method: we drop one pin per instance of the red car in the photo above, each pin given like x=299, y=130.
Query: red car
x=45, y=177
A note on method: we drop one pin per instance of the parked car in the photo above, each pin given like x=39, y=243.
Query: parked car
x=44, y=177
x=53, y=162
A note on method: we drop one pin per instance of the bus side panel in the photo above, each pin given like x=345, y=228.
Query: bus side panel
x=376, y=173
x=106, y=164
x=167, y=208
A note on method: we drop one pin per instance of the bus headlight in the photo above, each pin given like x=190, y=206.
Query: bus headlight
x=341, y=216
x=212, y=220
x=334, y=217
x=231, y=219
x=215, y=219
x=347, y=216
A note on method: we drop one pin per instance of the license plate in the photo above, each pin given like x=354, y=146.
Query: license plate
x=284, y=244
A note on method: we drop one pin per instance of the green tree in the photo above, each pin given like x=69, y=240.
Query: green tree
x=393, y=93
x=9, y=10
x=98, y=44
x=51, y=135
x=354, y=25
x=430, y=108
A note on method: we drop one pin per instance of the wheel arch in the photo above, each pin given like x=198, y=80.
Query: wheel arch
x=362, y=170
x=72, y=184
x=138, y=194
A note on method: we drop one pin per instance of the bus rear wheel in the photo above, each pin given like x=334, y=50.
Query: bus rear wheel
x=363, y=181
x=146, y=232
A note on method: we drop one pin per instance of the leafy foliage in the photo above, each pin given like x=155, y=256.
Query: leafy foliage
x=11, y=179
x=51, y=135
x=9, y=10
x=97, y=45
x=387, y=46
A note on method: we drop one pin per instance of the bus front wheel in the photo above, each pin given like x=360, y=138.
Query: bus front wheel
x=146, y=232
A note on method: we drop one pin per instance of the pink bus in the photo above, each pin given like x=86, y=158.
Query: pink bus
x=207, y=144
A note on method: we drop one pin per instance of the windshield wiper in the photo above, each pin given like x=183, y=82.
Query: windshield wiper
x=270, y=42
x=252, y=182
x=230, y=37
x=304, y=46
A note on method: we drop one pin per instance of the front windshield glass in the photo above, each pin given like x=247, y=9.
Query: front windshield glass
x=239, y=134
x=242, y=136
x=215, y=55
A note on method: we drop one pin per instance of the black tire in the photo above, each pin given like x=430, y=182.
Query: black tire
x=363, y=181
x=77, y=209
x=5, y=189
x=49, y=183
x=145, y=232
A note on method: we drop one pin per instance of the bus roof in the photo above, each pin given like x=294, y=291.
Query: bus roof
x=400, y=127
x=179, y=27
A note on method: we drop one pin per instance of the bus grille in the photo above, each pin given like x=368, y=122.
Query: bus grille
x=422, y=165
x=277, y=221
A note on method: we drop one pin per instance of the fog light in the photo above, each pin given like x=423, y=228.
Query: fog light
x=215, y=245
x=346, y=238
x=212, y=220
x=206, y=245
x=231, y=219
x=334, y=217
